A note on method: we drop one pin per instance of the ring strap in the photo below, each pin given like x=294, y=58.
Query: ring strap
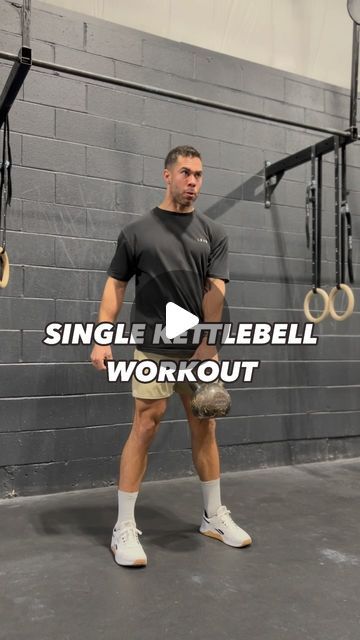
x=307, y=213
x=337, y=214
x=342, y=218
x=346, y=224
x=318, y=220
x=5, y=180
x=314, y=219
x=314, y=198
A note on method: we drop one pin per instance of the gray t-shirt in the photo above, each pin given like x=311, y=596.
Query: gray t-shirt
x=171, y=255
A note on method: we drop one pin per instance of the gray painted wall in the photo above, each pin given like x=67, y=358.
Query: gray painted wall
x=87, y=159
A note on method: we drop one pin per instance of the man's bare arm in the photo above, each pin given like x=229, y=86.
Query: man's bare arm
x=110, y=307
x=212, y=305
x=112, y=300
x=213, y=300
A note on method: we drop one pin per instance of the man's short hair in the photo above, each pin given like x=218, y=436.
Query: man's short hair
x=185, y=151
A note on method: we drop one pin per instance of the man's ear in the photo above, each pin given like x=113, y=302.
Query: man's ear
x=166, y=176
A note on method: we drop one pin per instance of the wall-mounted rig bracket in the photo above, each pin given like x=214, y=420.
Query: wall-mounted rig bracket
x=270, y=184
x=275, y=171
x=17, y=75
x=354, y=133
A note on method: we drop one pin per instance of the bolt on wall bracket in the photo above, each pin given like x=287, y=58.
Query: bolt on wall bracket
x=270, y=184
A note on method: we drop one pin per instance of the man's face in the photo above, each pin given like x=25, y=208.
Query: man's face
x=184, y=180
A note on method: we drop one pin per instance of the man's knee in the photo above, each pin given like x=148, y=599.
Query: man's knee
x=199, y=427
x=148, y=415
x=202, y=428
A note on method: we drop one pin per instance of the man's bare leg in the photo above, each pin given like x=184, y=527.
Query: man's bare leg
x=216, y=521
x=125, y=544
x=205, y=450
x=133, y=461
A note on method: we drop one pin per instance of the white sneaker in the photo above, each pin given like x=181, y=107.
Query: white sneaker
x=222, y=527
x=125, y=545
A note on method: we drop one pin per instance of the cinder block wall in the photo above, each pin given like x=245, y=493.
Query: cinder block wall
x=88, y=158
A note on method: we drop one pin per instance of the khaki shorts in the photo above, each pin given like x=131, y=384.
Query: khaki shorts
x=156, y=390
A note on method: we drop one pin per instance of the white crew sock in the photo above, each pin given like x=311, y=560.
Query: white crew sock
x=211, y=496
x=126, y=506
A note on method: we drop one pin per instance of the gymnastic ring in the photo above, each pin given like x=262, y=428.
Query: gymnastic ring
x=308, y=297
x=5, y=268
x=351, y=302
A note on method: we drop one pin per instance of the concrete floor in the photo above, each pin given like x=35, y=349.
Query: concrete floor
x=299, y=579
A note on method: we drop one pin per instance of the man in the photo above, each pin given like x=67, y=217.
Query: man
x=177, y=255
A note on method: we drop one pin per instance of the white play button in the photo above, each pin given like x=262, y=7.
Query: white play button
x=178, y=320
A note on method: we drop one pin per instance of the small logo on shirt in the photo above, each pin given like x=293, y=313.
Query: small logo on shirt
x=202, y=240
